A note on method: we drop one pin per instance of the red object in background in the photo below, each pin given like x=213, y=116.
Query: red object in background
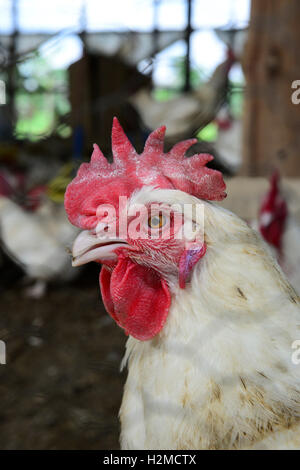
x=273, y=214
x=10, y=183
x=34, y=197
x=224, y=124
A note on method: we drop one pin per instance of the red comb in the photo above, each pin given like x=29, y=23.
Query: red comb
x=100, y=182
x=275, y=205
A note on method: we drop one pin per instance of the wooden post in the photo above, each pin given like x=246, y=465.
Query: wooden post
x=271, y=64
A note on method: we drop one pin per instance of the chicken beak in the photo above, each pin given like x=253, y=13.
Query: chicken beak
x=92, y=247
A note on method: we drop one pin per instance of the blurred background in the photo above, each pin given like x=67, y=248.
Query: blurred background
x=224, y=71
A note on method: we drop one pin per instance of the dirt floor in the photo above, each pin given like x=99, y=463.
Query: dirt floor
x=61, y=387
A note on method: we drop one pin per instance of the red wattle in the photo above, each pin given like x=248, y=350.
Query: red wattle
x=136, y=298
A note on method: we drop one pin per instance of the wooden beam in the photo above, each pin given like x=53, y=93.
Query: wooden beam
x=271, y=64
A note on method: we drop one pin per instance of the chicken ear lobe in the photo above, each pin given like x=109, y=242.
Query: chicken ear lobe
x=188, y=260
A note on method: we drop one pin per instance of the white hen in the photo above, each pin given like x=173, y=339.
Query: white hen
x=188, y=112
x=220, y=374
x=37, y=240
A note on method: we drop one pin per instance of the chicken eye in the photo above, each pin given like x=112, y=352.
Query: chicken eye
x=157, y=221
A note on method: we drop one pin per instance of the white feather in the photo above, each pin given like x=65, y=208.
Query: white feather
x=38, y=241
x=220, y=374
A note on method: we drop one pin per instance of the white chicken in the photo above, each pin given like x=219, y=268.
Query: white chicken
x=229, y=141
x=37, y=241
x=211, y=318
x=197, y=108
x=281, y=230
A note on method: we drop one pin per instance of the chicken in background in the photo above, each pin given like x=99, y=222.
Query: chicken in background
x=234, y=38
x=11, y=182
x=281, y=230
x=189, y=112
x=228, y=145
x=211, y=318
x=35, y=234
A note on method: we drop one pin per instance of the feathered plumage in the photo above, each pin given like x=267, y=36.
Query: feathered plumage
x=209, y=359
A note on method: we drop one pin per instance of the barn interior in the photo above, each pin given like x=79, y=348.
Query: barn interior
x=224, y=72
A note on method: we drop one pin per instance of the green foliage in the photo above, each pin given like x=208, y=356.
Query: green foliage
x=237, y=100
x=164, y=94
x=41, y=99
x=209, y=133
